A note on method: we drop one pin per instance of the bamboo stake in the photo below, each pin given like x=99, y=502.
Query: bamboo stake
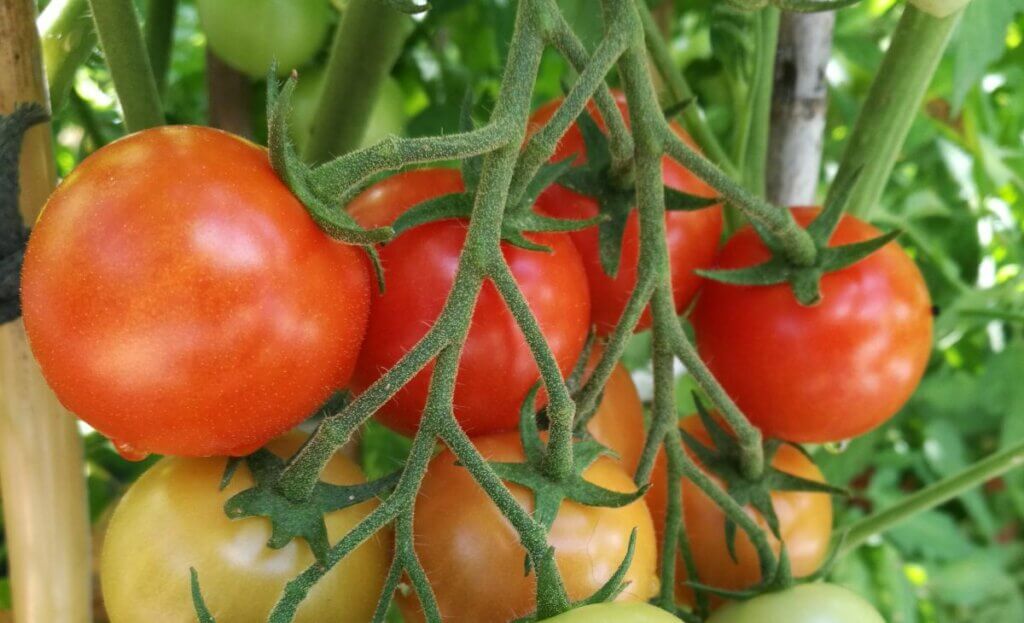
x=41, y=473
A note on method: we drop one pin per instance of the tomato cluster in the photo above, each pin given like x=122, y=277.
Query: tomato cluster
x=181, y=300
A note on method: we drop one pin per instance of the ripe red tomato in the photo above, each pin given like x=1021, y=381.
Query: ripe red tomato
x=618, y=422
x=496, y=369
x=473, y=556
x=827, y=372
x=180, y=299
x=692, y=237
x=805, y=523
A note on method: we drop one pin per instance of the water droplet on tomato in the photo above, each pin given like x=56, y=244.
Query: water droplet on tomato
x=129, y=452
x=837, y=447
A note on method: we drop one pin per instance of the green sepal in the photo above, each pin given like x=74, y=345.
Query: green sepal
x=297, y=175
x=676, y=201
x=229, y=471
x=290, y=520
x=452, y=205
x=203, y=614
x=838, y=258
x=723, y=460
x=472, y=167
x=595, y=142
x=546, y=176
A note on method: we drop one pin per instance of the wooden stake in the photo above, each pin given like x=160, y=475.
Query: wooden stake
x=41, y=469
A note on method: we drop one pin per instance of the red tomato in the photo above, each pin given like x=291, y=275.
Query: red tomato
x=805, y=522
x=692, y=237
x=180, y=299
x=474, y=560
x=827, y=372
x=496, y=369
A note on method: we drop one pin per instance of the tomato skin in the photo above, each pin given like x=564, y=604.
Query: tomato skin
x=473, y=557
x=420, y=266
x=180, y=299
x=615, y=613
x=249, y=35
x=828, y=372
x=173, y=518
x=805, y=522
x=618, y=422
x=692, y=237
x=807, y=603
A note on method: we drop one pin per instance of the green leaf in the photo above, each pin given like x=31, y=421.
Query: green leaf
x=838, y=258
x=979, y=41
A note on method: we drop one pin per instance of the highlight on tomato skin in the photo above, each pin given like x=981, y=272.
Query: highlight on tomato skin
x=692, y=237
x=827, y=372
x=419, y=269
x=462, y=537
x=805, y=523
x=181, y=300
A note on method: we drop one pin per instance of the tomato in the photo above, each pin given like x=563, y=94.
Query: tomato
x=249, y=35
x=387, y=118
x=807, y=603
x=805, y=523
x=618, y=422
x=496, y=370
x=827, y=372
x=173, y=518
x=615, y=613
x=473, y=557
x=181, y=301
x=692, y=237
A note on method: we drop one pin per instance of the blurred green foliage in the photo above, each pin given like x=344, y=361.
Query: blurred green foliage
x=957, y=194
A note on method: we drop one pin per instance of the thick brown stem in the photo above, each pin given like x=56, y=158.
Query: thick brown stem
x=229, y=96
x=798, y=109
x=41, y=474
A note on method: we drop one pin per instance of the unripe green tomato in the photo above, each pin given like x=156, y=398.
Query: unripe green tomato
x=807, y=603
x=388, y=115
x=619, y=612
x=940, y=8
x=251, y=34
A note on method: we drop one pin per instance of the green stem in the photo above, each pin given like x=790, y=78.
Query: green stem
x=755, y=163
x=117, y=24
x=67, y=36
x=796, y=242
x=895, y=98
x=693, y=120
x=160, y=16
x=366, y=45
x=992, y=314
x=933, y=495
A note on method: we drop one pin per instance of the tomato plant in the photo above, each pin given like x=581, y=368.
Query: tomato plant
x=461, y=538
x=827, y=372
x=615, y=613
x=419, y=268
x=172, y=519
x=808, y=603
x=249, y=35
x=805, y=523
x=618, y=422
x=692, y=237
x=205, y=312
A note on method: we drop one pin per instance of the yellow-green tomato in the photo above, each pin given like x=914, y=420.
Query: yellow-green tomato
x=940, y=8
x=173, y=518
x=807, y=603
x=388, y=115
x=251, y=34
x=616, y=613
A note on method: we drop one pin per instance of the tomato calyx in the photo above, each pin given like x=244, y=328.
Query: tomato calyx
x=290, y=519
x=723, y=459
x=805, y=281
x=549, y=493
x=325, y=211
x=616, y=197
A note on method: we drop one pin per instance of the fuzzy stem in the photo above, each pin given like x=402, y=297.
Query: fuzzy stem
x=895, y=98
x=117, y=24
x=366, y=45
x=159, y=35
x=68, y=38
x=693, y=120
x=933, y=495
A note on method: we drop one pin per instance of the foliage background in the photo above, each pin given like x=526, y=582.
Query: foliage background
x=957, y=194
